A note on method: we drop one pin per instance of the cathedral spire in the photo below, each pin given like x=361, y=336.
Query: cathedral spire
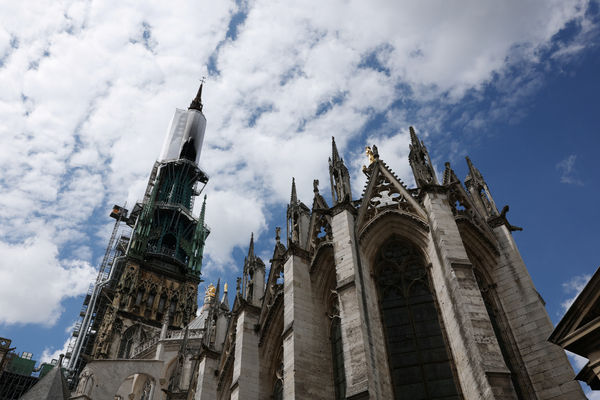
x=196, y=104
x=420, y=162
x=339, y=176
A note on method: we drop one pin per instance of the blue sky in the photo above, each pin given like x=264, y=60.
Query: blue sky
x=89, y=89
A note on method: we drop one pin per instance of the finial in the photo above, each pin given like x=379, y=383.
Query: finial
x=294, y=196
x=238, y=282
x=197, y=102
x=375, y=152
x=316, y=186
x=277, y=234
x=225, y=288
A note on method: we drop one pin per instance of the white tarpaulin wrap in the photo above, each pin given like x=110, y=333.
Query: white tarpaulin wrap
x=185, y=125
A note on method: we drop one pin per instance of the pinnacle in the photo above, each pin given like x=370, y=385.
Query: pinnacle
x=225, y=299
x=203, y=211
x=294, y=196
x=413, y=137
x=473, y=171
x=251, y=247
x=335, y=156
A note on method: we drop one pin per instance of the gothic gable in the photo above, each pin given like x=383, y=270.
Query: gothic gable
x=385, y=192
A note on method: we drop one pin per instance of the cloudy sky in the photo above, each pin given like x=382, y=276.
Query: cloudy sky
x=87, y=90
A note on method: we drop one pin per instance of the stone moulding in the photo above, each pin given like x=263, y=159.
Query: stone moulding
x=408, y=216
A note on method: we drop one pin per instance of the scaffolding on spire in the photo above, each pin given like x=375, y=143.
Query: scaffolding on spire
x=85, y=329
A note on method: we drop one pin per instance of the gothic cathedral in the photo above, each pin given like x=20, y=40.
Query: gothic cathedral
x=403, y=293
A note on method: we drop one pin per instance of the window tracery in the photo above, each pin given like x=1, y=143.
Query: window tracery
x=126, y=343
x=419, y=361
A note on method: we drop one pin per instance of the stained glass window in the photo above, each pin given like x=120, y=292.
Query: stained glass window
x=419, y=361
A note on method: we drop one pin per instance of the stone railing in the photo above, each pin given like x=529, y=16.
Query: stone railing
x=144, y=346
x=171, y=335
x=179, y=334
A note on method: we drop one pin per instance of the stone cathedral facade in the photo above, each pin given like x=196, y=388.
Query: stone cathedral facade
x=403, y=293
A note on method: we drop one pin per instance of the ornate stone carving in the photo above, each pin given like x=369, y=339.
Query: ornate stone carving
x=386, y=196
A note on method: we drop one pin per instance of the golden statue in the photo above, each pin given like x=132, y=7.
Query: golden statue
x=211, y=290
x=370, y=154
x=225, y=288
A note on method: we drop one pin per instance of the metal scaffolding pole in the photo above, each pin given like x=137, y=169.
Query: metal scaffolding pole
x=81, y=331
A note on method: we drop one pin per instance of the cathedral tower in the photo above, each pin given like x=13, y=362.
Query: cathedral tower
x=157, y=278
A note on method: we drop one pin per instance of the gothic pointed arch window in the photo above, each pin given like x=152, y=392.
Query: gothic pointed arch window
x=418, y=357
x=127, y=342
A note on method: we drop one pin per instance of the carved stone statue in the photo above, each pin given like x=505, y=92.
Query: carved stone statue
x=370, y=154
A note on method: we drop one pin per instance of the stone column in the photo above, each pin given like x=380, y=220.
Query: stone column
x=358, y=361
x=477, y=356
x=246, y=364
x=303, y=369
x=206, y=389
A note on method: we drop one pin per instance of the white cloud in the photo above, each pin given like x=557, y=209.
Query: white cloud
x=573, y=287
x=50, y=353
x=88, y=89
x=568, y=173
x=34, y=281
